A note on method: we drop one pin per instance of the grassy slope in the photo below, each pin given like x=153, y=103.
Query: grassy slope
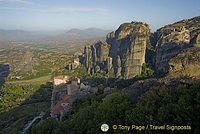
x=39, y=80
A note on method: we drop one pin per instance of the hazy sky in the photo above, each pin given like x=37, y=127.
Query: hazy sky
x=105, y=14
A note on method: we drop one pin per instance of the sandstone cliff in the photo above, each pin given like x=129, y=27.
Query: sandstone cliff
x=172, y=39
x=186, y=63
x=122, y=54
x=177, y=54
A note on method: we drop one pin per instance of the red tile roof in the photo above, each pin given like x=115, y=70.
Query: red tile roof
x=61, y=105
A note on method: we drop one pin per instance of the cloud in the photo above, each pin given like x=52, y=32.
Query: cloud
x=75, y=10
x=61, y=10
x=17, y=1
x=10, y=8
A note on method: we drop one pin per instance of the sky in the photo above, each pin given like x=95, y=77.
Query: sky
x=36, y=15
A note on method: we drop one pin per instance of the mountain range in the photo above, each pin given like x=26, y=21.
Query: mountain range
x=21, y=35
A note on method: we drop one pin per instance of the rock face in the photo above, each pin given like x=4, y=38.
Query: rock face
x=138, y=88
x=73, y=65
x=124, y=51
x=186, y=63
x=122, y=54
x=172, y=39
x=178, y=53
x=198, y=41
x=95, y=56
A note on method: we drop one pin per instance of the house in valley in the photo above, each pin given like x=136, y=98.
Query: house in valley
x=61, y=80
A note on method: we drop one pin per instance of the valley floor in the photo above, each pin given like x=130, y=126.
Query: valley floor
x=39, y=80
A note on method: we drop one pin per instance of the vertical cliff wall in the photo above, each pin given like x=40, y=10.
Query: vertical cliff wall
x=174, y=38
x=122, y=54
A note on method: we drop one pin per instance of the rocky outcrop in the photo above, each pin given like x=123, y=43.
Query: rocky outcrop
x=178, y=53
x=138, y=88
x=197, y=44
x=122, y=54
x=169, y=44
x=128, y=48
x=172, y=39
x=186, y=63
x=95, y=56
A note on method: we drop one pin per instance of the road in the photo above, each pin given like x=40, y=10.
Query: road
x=30, y=124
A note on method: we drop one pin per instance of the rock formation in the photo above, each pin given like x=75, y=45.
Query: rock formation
x=122, y=54
x=177, y=54
x=197, y=44
x=172, y=39
x=186, y=63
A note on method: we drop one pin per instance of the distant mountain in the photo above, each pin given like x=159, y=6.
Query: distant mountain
x=20, y=35
x=83, y=34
